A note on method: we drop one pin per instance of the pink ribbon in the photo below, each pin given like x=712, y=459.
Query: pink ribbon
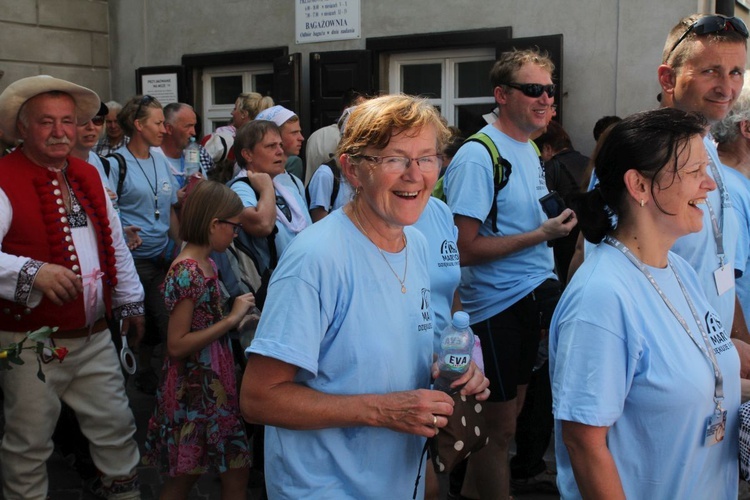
x=89, y=289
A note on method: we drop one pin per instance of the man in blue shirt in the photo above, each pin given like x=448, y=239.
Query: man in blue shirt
x=702, y=71
x=508, y=284
x=180, y=121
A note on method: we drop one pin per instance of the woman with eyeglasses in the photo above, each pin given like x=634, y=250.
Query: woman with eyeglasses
x=645, y=379
x=149, y=193
x=275, y=206
x=196, y=426
x=340, y=367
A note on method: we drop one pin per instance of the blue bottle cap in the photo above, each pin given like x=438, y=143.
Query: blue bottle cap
x=460, y=320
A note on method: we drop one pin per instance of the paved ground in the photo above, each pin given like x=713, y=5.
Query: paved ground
x=65, y=484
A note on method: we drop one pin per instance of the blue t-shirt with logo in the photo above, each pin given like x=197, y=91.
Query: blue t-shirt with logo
x=490, y=288
x=620, y=359
x=436, y=224
x=137, y=199
x=335, y=310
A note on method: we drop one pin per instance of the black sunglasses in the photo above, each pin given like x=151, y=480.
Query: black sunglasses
x=145, y=101
x=712, y=24
x=533, y=89
x=236, y=227
x=98, y=120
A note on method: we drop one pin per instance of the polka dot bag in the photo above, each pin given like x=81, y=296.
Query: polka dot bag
x=466, y=433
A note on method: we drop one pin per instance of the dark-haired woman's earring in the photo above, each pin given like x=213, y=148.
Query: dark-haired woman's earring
x=642, y=203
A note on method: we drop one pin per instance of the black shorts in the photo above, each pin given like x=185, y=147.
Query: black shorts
x=510, y=339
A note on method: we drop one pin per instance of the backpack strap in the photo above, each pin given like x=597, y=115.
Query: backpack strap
x=270, y=239
x=501, y=170
x=122, y=169
x=297, y=183
x=105, y=164
x=336, y=180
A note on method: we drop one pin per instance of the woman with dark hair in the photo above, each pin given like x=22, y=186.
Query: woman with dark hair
x=275, y=206
x=645, y=380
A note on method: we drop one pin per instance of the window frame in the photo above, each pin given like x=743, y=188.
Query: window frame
x=213, y=113
x=449, y=102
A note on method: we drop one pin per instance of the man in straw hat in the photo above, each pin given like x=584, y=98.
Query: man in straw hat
x=64, y=264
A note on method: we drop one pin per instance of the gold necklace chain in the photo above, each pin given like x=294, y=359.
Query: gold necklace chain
x=406, y=254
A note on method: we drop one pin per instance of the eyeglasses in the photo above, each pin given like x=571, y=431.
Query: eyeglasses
x=236, y=226
x=399, y=164
x=98, y=120
x=712, y=24
x=145, y=101
x=533, y=89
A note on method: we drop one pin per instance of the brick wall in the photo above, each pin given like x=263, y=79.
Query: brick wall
x=64, y=38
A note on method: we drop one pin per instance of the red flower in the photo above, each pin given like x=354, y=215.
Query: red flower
x=60, y=352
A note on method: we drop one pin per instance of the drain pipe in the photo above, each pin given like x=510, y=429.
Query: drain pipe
x=725, y=7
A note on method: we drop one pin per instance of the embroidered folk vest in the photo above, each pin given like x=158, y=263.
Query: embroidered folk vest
x=40, y=230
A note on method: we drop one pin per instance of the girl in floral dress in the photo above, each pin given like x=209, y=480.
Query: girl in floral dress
x=196, y=426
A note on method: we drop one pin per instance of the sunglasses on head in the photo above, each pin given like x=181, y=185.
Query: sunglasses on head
x=145, y=101
x=712, y=24
x=533, y=89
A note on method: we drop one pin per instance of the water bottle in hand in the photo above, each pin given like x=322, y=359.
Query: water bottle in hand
x=192, y=158
x=454, y=352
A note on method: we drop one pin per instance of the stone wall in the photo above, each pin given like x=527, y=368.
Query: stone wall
x=64, y=38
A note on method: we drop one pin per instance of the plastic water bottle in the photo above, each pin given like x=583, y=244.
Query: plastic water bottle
x=192, y=155
x=454, y=352
x=192, y=158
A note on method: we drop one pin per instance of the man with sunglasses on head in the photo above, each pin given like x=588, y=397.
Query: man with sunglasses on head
x=508, y=284
x=702, y=71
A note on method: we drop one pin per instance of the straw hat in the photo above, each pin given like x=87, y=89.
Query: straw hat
x=20, y=91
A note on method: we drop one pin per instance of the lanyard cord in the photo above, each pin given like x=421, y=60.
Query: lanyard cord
x=152, y=186
x=717, y=225
x=706, y=349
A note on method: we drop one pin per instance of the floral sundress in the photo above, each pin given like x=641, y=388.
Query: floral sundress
x=196, y=426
